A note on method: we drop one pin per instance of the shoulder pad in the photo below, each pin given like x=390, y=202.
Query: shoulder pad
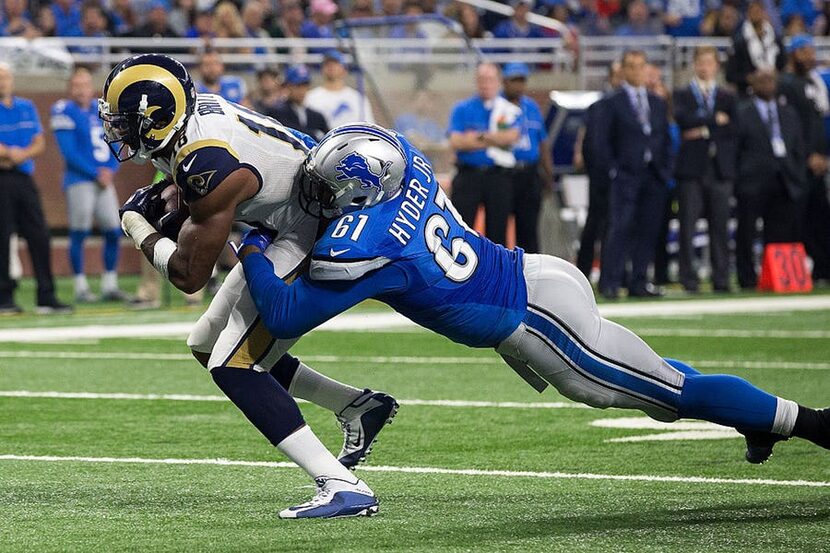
x=201, y=165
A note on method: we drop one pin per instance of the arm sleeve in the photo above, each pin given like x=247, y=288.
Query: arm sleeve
x=289, y=311
x=74, y=157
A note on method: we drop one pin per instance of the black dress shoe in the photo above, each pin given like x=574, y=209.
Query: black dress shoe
x=10, y=308
x=52, y=307
x=648, y=292
x=609, y=294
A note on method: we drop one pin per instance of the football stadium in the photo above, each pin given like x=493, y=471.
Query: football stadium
x=446, y=275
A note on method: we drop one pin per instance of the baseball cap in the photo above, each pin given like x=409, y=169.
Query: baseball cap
x=334, y=55
x=800, y=41
x=515, y=70
x=297, y=74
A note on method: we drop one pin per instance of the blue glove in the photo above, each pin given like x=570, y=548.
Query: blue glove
x=259, y=238
x=146, y=202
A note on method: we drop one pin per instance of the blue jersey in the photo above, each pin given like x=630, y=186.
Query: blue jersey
x=231, y=88
x=414, y=253
x=80, y=135
x=19, y=125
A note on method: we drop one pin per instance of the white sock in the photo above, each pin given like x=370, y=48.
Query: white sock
x=321, y=390
x=304, y=448
x=81, y=285
x=786, y=412
x=109, y=281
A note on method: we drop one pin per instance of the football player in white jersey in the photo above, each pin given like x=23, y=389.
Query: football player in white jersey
x=233, y=164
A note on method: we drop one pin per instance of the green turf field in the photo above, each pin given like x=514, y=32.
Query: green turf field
x=570, y=501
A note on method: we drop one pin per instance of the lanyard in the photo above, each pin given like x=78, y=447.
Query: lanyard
x=707, y=104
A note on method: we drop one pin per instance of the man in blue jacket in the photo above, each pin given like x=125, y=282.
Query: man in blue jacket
x=88, y=183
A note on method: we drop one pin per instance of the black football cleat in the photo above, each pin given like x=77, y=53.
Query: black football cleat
x=759, y=445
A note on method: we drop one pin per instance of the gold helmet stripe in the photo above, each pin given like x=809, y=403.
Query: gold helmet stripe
x=147, y=72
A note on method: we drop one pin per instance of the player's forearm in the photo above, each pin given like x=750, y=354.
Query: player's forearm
x=273, y=299
x=183, y=272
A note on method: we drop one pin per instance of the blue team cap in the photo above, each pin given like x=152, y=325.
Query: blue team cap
x=334, y=55
x=800, y=41
x=515, y=71
x=297, y=74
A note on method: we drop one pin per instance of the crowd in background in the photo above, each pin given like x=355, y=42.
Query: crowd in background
x=314, y=18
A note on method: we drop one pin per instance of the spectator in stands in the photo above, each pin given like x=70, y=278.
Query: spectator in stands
x=517, y=26
x=203, y=25
x=21, y=140
x=589, y=21
x=599, y=182
x=292, y=112
x=319, y=26
x=471, y=22
x=338, y=102
x=253, y=17
x=638, y=22
x=361, y=8
x=770, y=179
x=122, y=18
x=67, y=17
x=93, y=25
x=16, y=22
x=528, y=151
x=483, y=131
x=722, y=22
x=794, y=25
x=390, y=8
x=705, y=168
x=269, y=92
x=290, y=22
x=755, y=46
x=156, y=25
x=88, y=182
x=805, y=10
x=805, y=90
x=634, y=149
x=46, y=21
x=227, y=23
x=214, y=80
x=683, y=17
x=183, y=16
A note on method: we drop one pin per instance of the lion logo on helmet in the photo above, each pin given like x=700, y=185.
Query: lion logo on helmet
x=356, y=166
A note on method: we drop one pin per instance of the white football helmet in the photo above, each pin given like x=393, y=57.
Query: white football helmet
x=353, y=167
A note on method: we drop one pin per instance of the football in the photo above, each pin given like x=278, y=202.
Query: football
x=175, y=212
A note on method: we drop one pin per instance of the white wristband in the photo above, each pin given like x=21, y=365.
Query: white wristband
x=136, y=227
x=162, y=251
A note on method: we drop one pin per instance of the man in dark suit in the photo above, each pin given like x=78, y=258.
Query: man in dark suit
x=705, y=168
x=635, y=150
x=596, y=221
x=755, y=46
x=292, y=113
x=770, y=180
x=805, y=90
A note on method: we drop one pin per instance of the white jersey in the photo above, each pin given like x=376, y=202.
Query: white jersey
x=340, y=107
x=221, y=137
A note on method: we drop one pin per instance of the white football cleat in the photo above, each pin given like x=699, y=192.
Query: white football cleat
x=336, y=498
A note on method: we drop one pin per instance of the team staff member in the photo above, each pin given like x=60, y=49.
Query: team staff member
x=88, y=184
x=705, y=168
x=527, y=184
x=483, y=131
x=21, y=139
x=291, y=112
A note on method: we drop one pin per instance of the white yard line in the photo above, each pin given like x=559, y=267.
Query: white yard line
x=733, y=333
x=385, y=321
x=431, y=470
x=190, y=397
x=384, y=360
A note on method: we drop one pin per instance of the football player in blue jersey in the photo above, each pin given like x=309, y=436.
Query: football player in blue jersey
x=397, y=238
x=88, y=184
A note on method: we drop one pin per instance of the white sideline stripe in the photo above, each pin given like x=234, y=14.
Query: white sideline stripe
x=189, y=397
x=390, y=320
x=431, y=470
x=390, y=360
x=680, y=435
x=732, y=333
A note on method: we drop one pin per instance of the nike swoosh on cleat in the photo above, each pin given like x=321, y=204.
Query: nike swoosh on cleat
x=187, y=167
x=359, y=440
x=335, y=253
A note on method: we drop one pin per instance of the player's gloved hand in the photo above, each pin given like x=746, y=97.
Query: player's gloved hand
x=259, y=238
x=146, y=201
